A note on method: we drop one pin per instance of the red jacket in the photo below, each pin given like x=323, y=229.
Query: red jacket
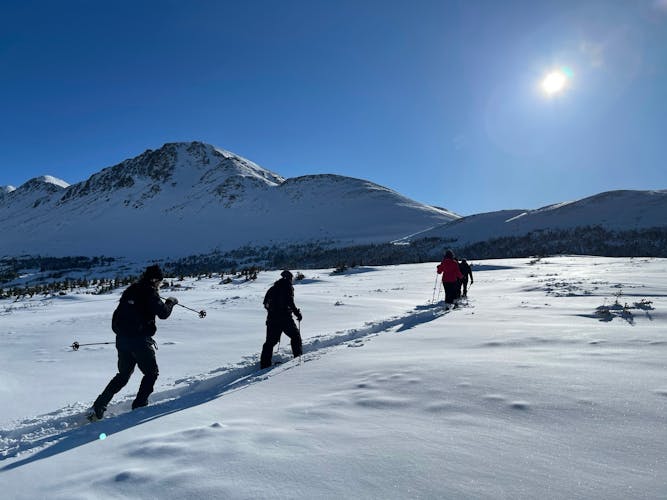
x=450, y=271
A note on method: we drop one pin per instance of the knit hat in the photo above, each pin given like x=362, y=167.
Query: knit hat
x=153, y=273
x=286, y=274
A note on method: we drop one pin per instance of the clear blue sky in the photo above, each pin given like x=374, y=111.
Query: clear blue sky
x=439, y=100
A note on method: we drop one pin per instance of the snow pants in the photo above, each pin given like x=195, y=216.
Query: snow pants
x=275, y=326
x=465, y=286
x=451, y=291
x=132, y=352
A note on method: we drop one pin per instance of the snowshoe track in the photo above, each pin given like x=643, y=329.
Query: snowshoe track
x=44, y=432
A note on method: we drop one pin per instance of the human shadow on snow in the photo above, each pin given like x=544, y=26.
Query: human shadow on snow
x=189, y=392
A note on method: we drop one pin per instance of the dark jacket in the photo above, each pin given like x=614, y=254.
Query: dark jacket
x=279, y=300
x=136, y=311
x=466, y=270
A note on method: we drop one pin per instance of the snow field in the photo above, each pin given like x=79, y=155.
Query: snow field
x=523, y=392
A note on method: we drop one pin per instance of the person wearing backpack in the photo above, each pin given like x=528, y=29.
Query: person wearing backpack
x=466, y=270
x=449, y=268
x=279, y=303
x=133, y=323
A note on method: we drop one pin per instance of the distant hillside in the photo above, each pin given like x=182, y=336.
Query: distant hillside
x=191, y=198
x=196, y=208
x=611, y=211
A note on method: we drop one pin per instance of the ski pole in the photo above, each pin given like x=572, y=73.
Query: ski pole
x=75, y=346
x=301, y=356
x=202, y=313
x=434, y=285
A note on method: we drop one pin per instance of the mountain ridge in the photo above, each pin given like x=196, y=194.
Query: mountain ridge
x=188, y=198
x=619, y=210
x=192, y=198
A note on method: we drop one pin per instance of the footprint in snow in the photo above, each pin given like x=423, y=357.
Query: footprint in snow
x=520, y=405
x=494, y=397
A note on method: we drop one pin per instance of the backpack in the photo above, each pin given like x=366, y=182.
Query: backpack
x=269, y=298
x=275, y=299
x=128, y=318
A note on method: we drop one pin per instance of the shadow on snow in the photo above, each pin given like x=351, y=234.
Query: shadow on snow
x=67, y=428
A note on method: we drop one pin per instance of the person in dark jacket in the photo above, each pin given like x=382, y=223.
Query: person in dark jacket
x=466, y=270
x=134, y=324
x=449, y=268
x=279, y=302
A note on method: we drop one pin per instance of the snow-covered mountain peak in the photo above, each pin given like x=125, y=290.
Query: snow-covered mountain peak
x=206, y=160
x=38, y=187
x=211, y=198
x=177, y=166
x=44, y=183
x=5, y=190
x=33, y=193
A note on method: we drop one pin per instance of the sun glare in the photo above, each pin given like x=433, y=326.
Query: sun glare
x=554, y=82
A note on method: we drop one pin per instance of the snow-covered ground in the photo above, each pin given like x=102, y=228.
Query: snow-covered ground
x=541, y=386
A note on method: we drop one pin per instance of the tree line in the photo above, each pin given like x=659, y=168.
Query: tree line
x=247, y=261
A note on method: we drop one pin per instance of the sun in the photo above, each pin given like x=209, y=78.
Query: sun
x=554, y=83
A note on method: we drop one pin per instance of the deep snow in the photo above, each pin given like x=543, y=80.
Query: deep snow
x=539, y=386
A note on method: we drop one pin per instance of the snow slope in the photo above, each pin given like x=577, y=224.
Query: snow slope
x=210, y=199
x=613, y=210
x=540, y=386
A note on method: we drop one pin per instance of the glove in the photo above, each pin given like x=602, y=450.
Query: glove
x=298, y=314
x=172, y=301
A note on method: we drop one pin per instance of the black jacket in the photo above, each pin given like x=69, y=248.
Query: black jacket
x=466, y=270
x=279, y=299
x=136, y=311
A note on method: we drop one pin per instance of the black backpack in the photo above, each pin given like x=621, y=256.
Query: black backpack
x=128, y=319
x=276, y=298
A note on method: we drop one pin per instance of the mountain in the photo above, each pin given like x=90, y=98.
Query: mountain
x=613, y=210
x=190, y=198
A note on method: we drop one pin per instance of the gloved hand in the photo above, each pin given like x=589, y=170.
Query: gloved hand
x=298, y=314
x=172, y=301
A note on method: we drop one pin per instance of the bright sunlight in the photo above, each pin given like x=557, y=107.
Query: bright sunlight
x=554, y=82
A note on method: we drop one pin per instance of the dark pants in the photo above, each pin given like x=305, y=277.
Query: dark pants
x=451, y=291
x=274, y=328
x=132, y=352
x=465, y=286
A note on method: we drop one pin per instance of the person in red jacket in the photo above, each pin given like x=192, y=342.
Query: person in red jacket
x=449, y=268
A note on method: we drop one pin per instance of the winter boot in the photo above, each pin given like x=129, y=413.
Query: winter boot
x=96, y=413
x=139, y=404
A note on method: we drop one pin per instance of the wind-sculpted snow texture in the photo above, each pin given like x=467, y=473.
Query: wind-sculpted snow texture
x=538, y=386
x=192, y=198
